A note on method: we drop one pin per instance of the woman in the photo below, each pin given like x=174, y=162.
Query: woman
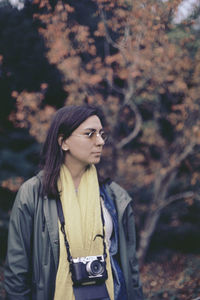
x=71, y=236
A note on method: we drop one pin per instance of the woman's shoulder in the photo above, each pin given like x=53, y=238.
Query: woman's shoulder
x=117, y=189
x=32, y=183
x=120, y=195
x=29, y=190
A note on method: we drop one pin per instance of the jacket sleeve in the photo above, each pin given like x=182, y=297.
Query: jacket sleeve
x=127, y=242
x=129, y=229
x=17, y=277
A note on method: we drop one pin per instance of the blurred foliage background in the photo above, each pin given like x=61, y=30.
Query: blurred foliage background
x=143, y=69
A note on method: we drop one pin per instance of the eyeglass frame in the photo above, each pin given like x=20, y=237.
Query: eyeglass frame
x=91, y=134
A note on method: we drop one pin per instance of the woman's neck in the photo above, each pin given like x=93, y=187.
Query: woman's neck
x=76, y=172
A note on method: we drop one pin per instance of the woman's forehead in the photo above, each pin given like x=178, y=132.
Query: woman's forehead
x=92, y=122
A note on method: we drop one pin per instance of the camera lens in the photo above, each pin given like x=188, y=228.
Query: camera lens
x=94, y=268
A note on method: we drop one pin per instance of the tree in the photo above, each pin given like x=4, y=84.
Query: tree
x=144, y=72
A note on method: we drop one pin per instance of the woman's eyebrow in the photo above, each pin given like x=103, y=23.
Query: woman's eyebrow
x=93, y=129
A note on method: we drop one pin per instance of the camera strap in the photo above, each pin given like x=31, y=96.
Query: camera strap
x=96, y=291
x=62, y=222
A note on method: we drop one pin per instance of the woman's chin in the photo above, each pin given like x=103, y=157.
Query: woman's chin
x=96, y=160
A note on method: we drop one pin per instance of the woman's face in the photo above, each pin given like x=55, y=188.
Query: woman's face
x=82, y=149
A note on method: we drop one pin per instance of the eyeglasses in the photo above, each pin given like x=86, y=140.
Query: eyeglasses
x=92, y=135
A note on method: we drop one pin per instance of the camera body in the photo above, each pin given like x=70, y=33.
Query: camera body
x=88, y=269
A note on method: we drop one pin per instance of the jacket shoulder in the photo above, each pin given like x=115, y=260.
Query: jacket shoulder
x=29, y=193
x=119, y=194
x=119, y=191
x=33, y=183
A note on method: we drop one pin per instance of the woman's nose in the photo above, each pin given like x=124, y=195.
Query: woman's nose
x=99, y=139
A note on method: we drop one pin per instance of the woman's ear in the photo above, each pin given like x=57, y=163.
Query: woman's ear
x=63, y=143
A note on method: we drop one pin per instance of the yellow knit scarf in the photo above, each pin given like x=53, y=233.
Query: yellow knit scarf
x=83, y=222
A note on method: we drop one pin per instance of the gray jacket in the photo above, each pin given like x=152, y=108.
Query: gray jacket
x=33, y=244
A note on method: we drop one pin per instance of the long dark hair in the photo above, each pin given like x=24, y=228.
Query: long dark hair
x=65, y=121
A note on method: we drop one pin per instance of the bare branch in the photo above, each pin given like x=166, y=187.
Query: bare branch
x=128, y=93
x=161, y=178
x=187, y=151
x=136, y=130
x=151, y=222
x=146, y=236
x=107, y=53
x=114, y=87
x=168, y=201
x=108, y=37
x=119, y=46
x=161, y=186
x=138, y=119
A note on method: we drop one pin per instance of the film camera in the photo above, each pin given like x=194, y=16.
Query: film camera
x=88, y=269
